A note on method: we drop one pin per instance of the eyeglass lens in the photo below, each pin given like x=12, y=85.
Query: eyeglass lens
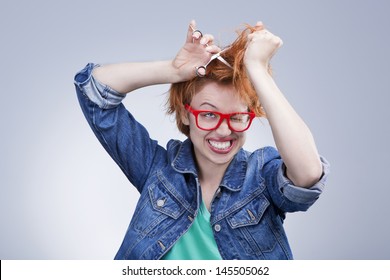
x=210, y=120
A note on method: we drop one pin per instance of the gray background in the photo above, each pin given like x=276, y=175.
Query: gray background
x=62, y=197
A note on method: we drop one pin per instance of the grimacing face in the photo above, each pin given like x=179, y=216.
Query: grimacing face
x=216, y=147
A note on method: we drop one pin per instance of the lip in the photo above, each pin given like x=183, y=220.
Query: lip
x=224, y=151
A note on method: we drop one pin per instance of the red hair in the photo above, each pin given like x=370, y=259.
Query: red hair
x=183, y=92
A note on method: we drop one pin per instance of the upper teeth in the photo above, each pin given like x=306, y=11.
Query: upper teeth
x=220, y=145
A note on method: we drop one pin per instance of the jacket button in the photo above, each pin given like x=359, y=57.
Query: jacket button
x=217, y=227
x=160, y=202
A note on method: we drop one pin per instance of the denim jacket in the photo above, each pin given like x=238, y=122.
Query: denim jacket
x=247, y=211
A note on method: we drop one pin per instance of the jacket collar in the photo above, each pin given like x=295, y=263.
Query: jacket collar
x=184, y=162
x=184, y=159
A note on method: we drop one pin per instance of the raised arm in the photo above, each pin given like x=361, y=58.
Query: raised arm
x=292, y=136
x=126, y=77
x=100, y=91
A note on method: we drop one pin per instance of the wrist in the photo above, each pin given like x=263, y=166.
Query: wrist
x=180, y=74
x=172, y=72
x=257, y=69
x=165, y=72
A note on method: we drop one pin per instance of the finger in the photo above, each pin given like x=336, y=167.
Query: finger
x=265, y=32
x=262, y=33
x=197, y=34
x=277, y=41
x=207, y=39
x=213, y=49
x=191, y=29
x=258, y=34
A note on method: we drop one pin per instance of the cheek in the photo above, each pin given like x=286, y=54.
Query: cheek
x=242, y=138
x=196, y=134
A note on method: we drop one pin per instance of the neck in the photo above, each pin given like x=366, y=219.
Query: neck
x=211, y=175
x=210, y=178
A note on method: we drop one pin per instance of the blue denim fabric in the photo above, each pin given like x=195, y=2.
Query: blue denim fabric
x=247, y=211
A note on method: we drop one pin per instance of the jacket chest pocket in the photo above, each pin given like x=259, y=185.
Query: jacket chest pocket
x=157, y=210
x=164, y=202
x=251, y=227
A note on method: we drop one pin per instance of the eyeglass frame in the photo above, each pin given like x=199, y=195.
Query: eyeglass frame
x=222, y=116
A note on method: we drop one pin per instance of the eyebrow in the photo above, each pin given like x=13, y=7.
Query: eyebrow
x=208, y=104
x=215, y=108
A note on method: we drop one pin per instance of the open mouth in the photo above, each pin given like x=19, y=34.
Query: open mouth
x=221, y=146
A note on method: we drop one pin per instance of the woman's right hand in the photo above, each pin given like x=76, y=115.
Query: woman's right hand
x=196, y=51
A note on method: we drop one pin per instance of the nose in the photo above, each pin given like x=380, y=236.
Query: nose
x=223, y=129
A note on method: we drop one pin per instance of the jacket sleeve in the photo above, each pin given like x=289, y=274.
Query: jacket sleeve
x=126, y=140
x=285, y=195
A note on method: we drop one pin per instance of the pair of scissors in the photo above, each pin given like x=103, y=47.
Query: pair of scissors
x=201, y=70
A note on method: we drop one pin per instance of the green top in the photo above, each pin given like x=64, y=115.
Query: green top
x=198, y=242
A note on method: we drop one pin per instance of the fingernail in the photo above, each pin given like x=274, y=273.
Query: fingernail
x=203, y=41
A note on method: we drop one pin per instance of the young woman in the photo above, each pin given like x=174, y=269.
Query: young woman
x=206, y=197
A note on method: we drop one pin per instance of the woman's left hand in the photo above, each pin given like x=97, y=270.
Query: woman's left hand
x=261, y=47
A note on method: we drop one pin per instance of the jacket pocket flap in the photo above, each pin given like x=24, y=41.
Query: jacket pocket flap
x=249, y=214
x=163, y=201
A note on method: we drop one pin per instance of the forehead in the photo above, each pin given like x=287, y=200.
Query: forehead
x=223, y=97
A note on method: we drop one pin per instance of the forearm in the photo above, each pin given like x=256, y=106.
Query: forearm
x=292, y=136
x=126, y=77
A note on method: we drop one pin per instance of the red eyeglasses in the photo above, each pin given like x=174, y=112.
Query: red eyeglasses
x=210, y=120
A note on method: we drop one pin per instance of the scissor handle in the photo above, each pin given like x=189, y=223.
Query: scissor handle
x=197, y=31
x=200, y=71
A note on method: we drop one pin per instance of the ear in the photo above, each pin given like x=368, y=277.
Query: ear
x=184, y=117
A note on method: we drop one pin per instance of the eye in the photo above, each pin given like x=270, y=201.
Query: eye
x=209, y=115
x=240, y=118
